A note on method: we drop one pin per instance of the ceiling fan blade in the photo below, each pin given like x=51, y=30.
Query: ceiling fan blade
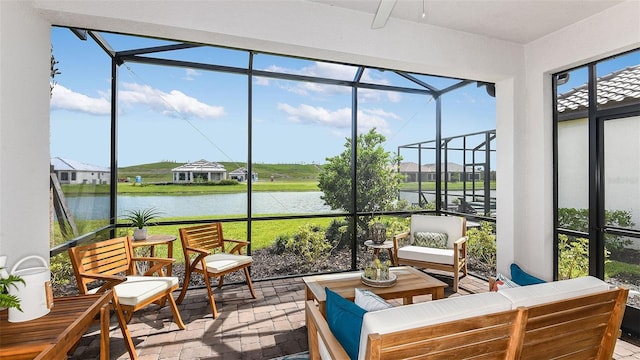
x=382, y=15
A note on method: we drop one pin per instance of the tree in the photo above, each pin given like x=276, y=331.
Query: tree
x=378, y=181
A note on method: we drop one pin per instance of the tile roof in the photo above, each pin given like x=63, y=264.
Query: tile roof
x=201, y=165
x=614, y=88
x=61, y=164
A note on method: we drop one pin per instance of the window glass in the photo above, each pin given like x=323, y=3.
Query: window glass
x=618, y=80
x=191, y=126
x=573, y=152
x=79, y=145
x=296, y=125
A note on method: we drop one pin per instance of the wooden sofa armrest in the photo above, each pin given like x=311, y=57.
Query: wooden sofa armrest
x=317, y=326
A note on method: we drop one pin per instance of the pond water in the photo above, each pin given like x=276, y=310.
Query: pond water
x=308, y=202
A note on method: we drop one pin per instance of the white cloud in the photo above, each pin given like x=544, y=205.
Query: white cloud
x=173, y=103
x=65, y=99
x=260, y=80
x=382, y=113
x=341, y=118
x=339, y=72
x=190, y=74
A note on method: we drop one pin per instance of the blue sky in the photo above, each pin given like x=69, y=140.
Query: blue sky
x=182, y=114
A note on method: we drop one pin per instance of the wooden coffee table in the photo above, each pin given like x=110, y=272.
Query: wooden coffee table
x=411, y=282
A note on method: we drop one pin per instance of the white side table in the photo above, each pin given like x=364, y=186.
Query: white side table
x=376, y=248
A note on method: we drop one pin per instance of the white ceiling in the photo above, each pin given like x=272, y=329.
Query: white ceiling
x=519, y=21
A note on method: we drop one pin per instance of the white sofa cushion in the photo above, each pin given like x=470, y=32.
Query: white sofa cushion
x=419, y=253
x=222, y=261
x=139, y=288
x=429, y=313
x=553, y=291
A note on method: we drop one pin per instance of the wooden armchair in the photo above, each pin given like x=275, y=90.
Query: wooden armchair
x=111, y=262
x=451, y=256
x=206, y=252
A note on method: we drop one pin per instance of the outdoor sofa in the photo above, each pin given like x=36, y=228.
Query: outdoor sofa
x=580, y=317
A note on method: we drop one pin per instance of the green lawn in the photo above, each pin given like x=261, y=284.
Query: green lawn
x=264, y=232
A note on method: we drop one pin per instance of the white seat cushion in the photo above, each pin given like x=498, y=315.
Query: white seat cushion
x=552, y=291
x=220, y=262
x=440, y=256
x=429, y=313
x=139, y=288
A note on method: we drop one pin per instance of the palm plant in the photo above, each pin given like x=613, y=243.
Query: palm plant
x=141, y=218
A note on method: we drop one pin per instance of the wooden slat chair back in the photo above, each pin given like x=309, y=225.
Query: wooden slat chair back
x=112, y=263
x=109, y=257
x=207, y=252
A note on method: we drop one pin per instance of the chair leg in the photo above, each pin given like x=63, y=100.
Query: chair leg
x=174, y=308
x=185, y=284
x=105, y=314
x=220, y=281
x=456, y=276
x=126, y=335
x=212, y=301
x=246, y=274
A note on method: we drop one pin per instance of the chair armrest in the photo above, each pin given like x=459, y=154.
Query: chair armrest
x=198, y=250
x=460, y=247
x=318, y=327
x=462, y=240
x=238, y=247
x=158, y=264
x=400, y=236
x=109, y=280
x=166, y=261
x=396, y=239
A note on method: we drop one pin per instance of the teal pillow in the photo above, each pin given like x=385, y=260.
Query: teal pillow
x=521, y=278
x=430, y=239
x=345, y=321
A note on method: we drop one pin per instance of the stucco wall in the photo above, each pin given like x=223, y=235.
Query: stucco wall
x=611, y=32
x=25, y=50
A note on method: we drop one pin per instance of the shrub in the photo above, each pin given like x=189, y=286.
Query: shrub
x=578, y=220
x=337, y=234
x=481, y=246
x=573, y=257
x=280, y=244
x=307, y=243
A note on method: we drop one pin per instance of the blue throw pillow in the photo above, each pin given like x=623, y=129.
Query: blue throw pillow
x=345, y=321
x=522, y=278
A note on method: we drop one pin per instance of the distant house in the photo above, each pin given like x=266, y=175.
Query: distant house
x=75, y=172
x=199, y=171
x=241, y=174
x=428, y=172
